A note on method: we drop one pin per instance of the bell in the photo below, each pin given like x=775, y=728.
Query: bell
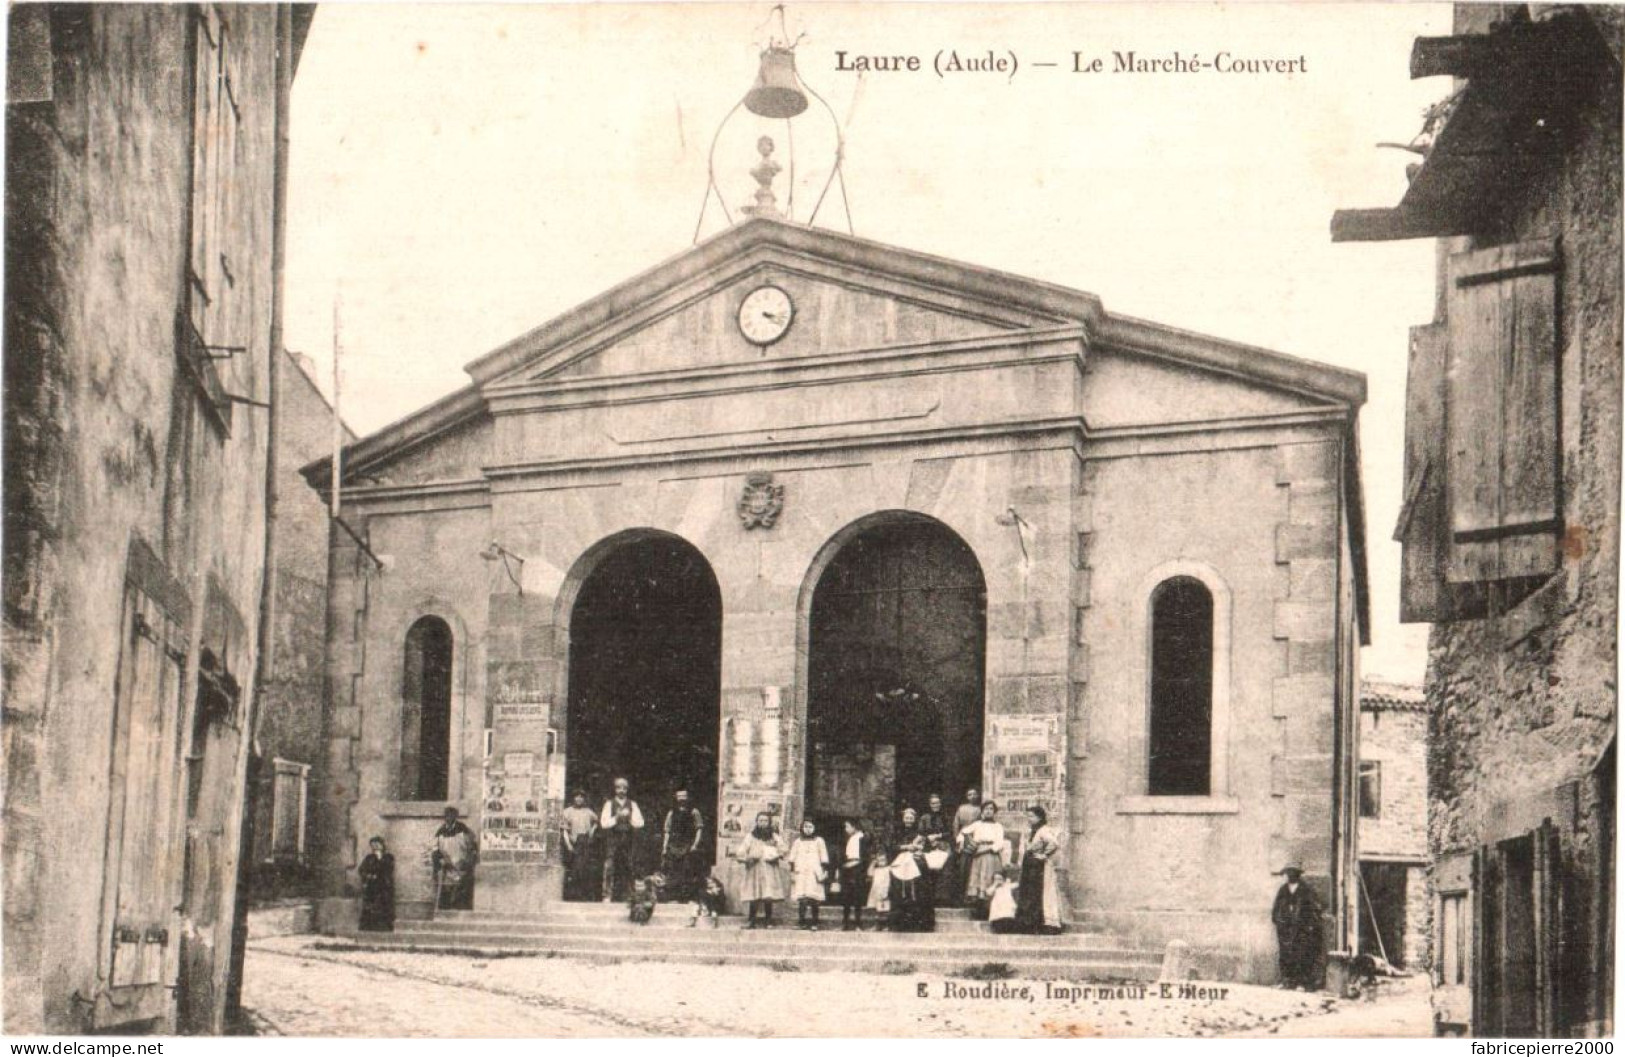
x=776, y=92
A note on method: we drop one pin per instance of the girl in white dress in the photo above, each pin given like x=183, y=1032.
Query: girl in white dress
x=809, y=872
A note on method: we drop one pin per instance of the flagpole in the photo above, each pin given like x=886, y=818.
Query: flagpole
x=338, y=421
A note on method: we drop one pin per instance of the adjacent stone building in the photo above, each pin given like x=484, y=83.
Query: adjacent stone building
x=144, y=214
x=1392, y=798
x=1511, y=520
x=291, y=732
x=817, y=526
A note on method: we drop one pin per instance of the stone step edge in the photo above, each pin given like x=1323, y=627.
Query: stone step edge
x=678, y=930
x=1128, y=970
x=399, y=941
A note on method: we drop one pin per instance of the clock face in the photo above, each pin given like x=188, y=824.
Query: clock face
x=765, y=315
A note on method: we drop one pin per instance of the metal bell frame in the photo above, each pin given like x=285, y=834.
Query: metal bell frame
x=774, y=95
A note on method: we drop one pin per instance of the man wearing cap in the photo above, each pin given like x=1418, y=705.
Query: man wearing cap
x=580, y=823
x=1296, y=916
x=680, y=848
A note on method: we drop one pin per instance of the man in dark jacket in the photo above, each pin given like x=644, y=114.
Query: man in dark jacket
x=1296, y=916
x=680, y=854
x=853, y=874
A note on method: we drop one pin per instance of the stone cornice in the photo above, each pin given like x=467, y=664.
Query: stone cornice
x=1055, y=344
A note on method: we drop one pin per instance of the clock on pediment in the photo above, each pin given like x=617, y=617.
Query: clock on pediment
x=765, y=315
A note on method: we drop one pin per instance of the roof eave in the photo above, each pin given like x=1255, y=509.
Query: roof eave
x=1524, y=80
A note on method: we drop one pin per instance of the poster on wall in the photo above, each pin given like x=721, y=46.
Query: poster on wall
x=514, y=820
x=1025, y=770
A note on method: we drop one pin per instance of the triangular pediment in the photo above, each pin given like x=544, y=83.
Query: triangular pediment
x=829, y=313
x=847, y=295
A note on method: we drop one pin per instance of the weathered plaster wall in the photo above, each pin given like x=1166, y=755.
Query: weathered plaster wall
x=104, y=443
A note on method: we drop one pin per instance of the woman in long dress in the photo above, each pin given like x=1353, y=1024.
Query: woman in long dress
x=1038, y=897
x=761, y=852
x=985, y=841
x=912, y=892
x=377, y=872
x=809, y=872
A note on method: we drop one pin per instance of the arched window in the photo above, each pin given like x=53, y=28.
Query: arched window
x=426, y=711
x=1181, y=741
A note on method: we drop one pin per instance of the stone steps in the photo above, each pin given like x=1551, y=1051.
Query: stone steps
x=730, y=928
x=881, y=958
x=600, y=932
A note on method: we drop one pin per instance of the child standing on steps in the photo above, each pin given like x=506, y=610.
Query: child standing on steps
x=760, y=852
x=809, y=870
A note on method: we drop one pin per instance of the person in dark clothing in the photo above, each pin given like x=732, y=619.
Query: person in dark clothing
x=620, y=822
x=579, y=826
x=454, y=852
x=377, y=872
x=1296, y=916
x=854, y=874
x=680, y=840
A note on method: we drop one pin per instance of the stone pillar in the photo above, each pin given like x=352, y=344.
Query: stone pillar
x=338, y=787
x=1303, y=699
x=1027, y=561
x=760, y=750
x=521, y=793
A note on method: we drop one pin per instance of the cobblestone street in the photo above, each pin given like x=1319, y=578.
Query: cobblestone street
x=296, y=985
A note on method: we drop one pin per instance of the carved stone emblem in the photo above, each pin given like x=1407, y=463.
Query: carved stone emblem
x=761, y=501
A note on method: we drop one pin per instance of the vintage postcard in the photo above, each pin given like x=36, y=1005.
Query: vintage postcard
x=811, y=520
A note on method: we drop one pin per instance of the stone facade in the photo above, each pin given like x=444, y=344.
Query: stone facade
x=134, y=499
x=291, y=714
x=1083, y=459
x=1521, y=691
x=1393, y=736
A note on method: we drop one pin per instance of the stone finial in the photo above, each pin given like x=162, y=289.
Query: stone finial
x=764, y=172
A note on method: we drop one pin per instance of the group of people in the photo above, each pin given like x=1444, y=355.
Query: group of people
x=452, y=854
x=604, y=850
x=926, y=861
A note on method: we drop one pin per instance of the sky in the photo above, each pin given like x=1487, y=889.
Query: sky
x=463, y=173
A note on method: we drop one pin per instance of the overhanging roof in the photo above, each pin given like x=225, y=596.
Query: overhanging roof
x=1526, y=82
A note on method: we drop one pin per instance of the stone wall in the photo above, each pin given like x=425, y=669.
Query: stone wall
x=1398, y=739
x=291, y=714
x=109, y=453
x=1523, y=703
x=1258, y=523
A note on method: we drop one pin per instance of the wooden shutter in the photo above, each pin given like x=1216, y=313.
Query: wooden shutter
x=1425, y=593
x=1502, y=444
x=1548, y=907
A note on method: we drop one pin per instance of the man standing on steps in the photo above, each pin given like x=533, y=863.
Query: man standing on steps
x=453, y=854
x=580, y=824
x=621, y=822
x=680, y=849
x=969, y=812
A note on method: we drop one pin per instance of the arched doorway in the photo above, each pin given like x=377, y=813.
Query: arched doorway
x=897, y=642
x=645, y=680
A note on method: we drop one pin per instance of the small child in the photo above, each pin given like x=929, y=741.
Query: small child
x=880, y=887
x=809, y=871
x=1001, y=901
x=713, y=900
x=645, y=893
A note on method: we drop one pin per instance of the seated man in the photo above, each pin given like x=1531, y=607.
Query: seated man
x=453, y=854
